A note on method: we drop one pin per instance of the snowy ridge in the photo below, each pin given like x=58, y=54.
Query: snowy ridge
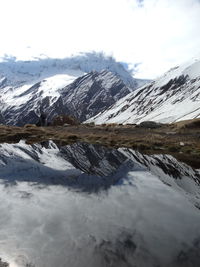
x=31, y=87
x=24, y=103
x=173, y=97
x=92, y=93
x=47, y=87
x=81, y=97
x=15, y=73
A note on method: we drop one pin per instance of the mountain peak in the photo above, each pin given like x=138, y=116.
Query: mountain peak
x=18, y=71
x=172, y=97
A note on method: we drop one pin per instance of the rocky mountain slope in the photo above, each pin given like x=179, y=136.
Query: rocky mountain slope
x=30, y=87
x=173, y=97
x=92, y=93
x=1, y=119
x=82, y=98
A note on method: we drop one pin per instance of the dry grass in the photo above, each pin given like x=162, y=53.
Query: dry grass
x=187, y=124
x=179, y=139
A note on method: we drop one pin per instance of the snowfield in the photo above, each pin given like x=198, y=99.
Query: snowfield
x=49, y=87
x=173, y=97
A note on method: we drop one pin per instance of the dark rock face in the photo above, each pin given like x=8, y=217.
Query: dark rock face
x=85, y=97
x=93, y=159
x=93, y=93
x=174, y=84
x=42, y=120
x=149, y=124
x=2, y=121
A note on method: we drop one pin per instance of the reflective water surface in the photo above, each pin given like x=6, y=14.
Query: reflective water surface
x=87, y=205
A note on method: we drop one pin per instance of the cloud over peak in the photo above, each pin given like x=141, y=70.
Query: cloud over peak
x=157, y=33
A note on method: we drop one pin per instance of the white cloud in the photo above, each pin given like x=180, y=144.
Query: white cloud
x=157, y=33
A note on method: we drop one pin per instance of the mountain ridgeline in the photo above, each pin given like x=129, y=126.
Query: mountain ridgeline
x=97, y=89
x=84, y=98
x=173, y=97
x=80, y=86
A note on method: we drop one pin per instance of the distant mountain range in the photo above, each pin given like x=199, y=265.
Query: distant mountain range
x=173, y=97
x=95, y=88
x=15, y=72
x=80, y=86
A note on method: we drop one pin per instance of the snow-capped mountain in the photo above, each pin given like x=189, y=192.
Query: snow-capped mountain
x=173, y=97
x=23, y=104
x=92, y=93
x=30, y=87
x=147, y=216
x=81, y=97
x=15, y=72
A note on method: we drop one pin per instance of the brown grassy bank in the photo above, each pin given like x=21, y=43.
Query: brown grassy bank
x=181, y=140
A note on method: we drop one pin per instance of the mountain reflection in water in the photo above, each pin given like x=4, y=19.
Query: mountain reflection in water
x=55, y=210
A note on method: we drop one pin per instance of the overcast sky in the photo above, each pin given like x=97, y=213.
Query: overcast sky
x=159, y=34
